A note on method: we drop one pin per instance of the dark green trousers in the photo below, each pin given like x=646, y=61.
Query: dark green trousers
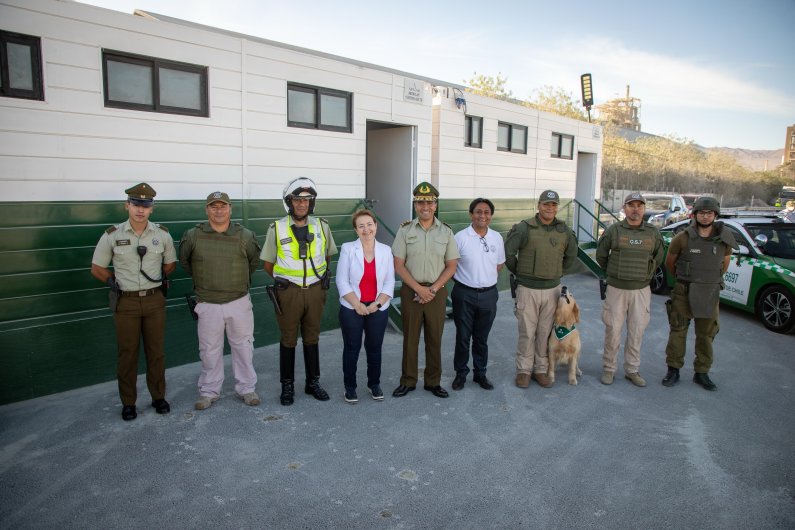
x=416, y=319
x=679, y=316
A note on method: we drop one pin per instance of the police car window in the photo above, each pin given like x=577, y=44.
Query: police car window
x=738, y=236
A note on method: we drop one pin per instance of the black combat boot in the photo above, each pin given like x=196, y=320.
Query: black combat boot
x=671, y=377
x=286, y=369
x=705, y=381
x=312, y=365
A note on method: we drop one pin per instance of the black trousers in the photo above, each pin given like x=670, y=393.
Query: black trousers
x=473, y=312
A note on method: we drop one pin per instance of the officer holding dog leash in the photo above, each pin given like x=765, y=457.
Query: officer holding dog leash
x=296, y=254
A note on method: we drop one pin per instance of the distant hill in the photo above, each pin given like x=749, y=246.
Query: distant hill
x=754, y=160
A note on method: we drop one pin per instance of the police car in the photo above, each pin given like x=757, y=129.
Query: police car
x=761, y=276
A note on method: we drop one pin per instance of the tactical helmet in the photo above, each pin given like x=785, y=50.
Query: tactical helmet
x=706, y=203
x=296, y=187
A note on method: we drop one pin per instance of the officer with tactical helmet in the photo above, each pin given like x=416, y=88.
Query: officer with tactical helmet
x=538, y=251
x=698, y=257
x=629, y=252
x=297, y=251
x=143, y=255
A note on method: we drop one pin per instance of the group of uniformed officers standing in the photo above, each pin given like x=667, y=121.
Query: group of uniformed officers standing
x=220, y=256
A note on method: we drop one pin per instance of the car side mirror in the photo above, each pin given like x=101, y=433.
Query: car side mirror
x=742, y=251
x=760, y=240
x=677, y=208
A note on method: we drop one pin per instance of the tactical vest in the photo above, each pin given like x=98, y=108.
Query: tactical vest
x=542, y=256
x=631, y=254
x=288, y=263
x=702, y=260
x=219, y=261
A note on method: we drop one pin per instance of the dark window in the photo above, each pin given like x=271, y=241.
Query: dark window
x=155, y=85
x=511, y=138
x=319, y=108
x=562, y=146
x=20, y=66
x=473, y=131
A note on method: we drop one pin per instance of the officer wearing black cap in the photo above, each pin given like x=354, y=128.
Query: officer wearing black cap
x=538, y=251
x=142, y=254
x=426, y=256
x=296, y=254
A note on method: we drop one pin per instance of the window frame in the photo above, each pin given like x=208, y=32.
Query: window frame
x=156, y=64
x=557, y=153
x=37, y=92
x=318, y=93
x=511, y=148
x=468, y=140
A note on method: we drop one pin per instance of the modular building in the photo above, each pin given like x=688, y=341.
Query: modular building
x=93, y=101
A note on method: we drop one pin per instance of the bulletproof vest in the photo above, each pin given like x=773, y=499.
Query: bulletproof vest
x=702, y=260
x=542, y=256
x=631, y=254
x=219, y=261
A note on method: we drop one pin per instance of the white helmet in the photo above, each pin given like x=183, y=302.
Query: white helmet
x=294, y=188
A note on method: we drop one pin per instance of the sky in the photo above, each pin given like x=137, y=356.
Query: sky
x=720, y=73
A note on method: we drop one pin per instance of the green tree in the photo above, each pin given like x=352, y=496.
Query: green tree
x=557, y=101
x=493, y=87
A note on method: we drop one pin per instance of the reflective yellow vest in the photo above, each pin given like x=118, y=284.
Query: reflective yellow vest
x=288, y=263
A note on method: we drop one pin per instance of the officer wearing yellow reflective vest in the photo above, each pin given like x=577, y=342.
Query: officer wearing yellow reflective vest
x=629, y=251
x=296, y=254
x=698, y=257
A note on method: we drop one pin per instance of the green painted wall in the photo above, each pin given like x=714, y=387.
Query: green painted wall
x=56, y=332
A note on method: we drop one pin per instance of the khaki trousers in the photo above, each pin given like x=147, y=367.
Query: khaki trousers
x=634, y=306
x=535, y=309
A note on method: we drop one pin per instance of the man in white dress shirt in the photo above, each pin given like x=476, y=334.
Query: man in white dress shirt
x=475, y=293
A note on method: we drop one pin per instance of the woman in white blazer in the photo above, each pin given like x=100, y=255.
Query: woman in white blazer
x=366, y=283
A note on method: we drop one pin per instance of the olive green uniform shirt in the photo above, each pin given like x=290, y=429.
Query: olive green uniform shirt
x=120, y=247
x=425, y=251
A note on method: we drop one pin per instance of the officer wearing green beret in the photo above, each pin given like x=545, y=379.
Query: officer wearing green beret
x=538, y=251
x=426, y=257
x=698, y=257
x=142, y=254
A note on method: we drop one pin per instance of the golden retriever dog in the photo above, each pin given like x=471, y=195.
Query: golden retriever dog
x=564, y=341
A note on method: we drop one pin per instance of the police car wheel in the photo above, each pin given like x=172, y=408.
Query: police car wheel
x=776, y=308
x=659, y=282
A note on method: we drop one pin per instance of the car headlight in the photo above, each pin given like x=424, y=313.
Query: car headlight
x=657, y=220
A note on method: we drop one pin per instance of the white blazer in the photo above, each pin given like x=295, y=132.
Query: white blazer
x=350, y=269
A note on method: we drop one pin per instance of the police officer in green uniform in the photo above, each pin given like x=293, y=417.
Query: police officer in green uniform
x=698, y=257
x=629, y=251
x=142, y=254
x=296, y=254
x=426, y=256
x=537, y=252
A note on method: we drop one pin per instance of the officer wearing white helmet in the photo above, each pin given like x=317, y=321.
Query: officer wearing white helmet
x=296, y=254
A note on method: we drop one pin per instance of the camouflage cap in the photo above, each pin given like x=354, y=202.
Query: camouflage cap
x=425, y=192
x=218, y=196
x=549, y=196
x=142, y=194
x=634, y=196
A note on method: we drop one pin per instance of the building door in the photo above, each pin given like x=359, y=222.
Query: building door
x=585, y=195
x=391, y=174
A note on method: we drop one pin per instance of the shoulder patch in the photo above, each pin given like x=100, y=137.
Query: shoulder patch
x=323, y=220
x=272, y=225
x=162, y=227
x=404, y=223
x=110, y=229
x=447, y=225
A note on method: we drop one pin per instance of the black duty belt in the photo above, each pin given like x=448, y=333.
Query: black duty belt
x=476, y=289
x=316, y=284
x=140, y=293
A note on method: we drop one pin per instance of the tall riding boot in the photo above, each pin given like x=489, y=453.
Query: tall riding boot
x=312, y=364
x=286, y=373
